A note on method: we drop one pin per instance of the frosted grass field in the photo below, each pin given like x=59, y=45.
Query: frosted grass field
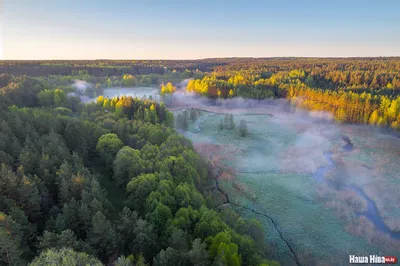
x=275, y=165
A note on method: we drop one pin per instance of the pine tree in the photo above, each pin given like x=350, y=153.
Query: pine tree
x=102, y=236
x=231, y=122
x=221, y=125
x=193, y=115
x=243, y=128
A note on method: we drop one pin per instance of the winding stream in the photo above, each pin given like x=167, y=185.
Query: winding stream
x=372, y=213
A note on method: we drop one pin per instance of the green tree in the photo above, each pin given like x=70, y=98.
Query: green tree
x=231, y=122
x=255, y=230
x=145, y=81
x=66, y=239
x=153, y=114
x=129, y=80
x=178, y=240
x=198, y=254
x=186, y=219
x=103, y=237
x=126, y=228
x=63, y=111
x=193, y=115
x=221, y=125
x=124, y=261
x=107, y=146
x=160, y=217
x=145, y=241
x=59, y=97
x=179, y=169
x=243, y=128
x=138, y=189
x=109, y=83
x=76, y=138
x=168, y=257
x=223, y=250
x=64, y=257
x=182, y=195
x=46, y=97
x=210, y=224
x=10, y=250
x=127, y=164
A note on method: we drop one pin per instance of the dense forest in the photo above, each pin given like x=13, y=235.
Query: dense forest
x=111, y=182
x=107, y=182
x=102, y=68
x=354, y=90
x=362, y=91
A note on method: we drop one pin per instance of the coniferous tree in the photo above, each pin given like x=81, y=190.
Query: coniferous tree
x=243, y=128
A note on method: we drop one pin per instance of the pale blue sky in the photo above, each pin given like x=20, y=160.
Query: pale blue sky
x=155, y=29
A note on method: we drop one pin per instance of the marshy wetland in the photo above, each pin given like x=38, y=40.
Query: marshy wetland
x=321, y=190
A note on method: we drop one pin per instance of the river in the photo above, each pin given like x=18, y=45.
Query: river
x=372, y=212
x=285, y=162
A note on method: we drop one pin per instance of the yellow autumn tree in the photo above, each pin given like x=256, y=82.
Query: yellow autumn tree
x=237, y=79
x=129, y=80
x=374, y=117
x=340, y=115
x=169, y=88
x=100, y=99
x=199, y=86
x=106, y=103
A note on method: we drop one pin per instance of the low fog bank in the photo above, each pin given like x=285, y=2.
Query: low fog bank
x=183, y=84
x=281, y=137
x=289, y=140
x=182, y=99
x=83, y=90
x=88, y=92
x=309, y=134
x=82, y=85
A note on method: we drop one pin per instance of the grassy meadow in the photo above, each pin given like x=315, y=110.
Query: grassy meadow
x=269, y=175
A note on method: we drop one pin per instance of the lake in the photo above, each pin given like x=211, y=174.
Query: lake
x=138, y=92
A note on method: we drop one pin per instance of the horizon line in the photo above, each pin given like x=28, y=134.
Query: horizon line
x=209, y=58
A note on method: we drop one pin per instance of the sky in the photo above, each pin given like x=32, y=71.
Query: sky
x=184, y=29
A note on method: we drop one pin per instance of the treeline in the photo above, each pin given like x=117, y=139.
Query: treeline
x=362, y=91
x=350, y=107
x=124, y=80
x=97, y=84
x=103, y=68
x=109, y=183
x=23, y=90
x=358, y=72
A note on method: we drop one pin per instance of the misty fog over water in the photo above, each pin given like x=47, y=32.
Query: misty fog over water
x=298, y=160
x=138, y=92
